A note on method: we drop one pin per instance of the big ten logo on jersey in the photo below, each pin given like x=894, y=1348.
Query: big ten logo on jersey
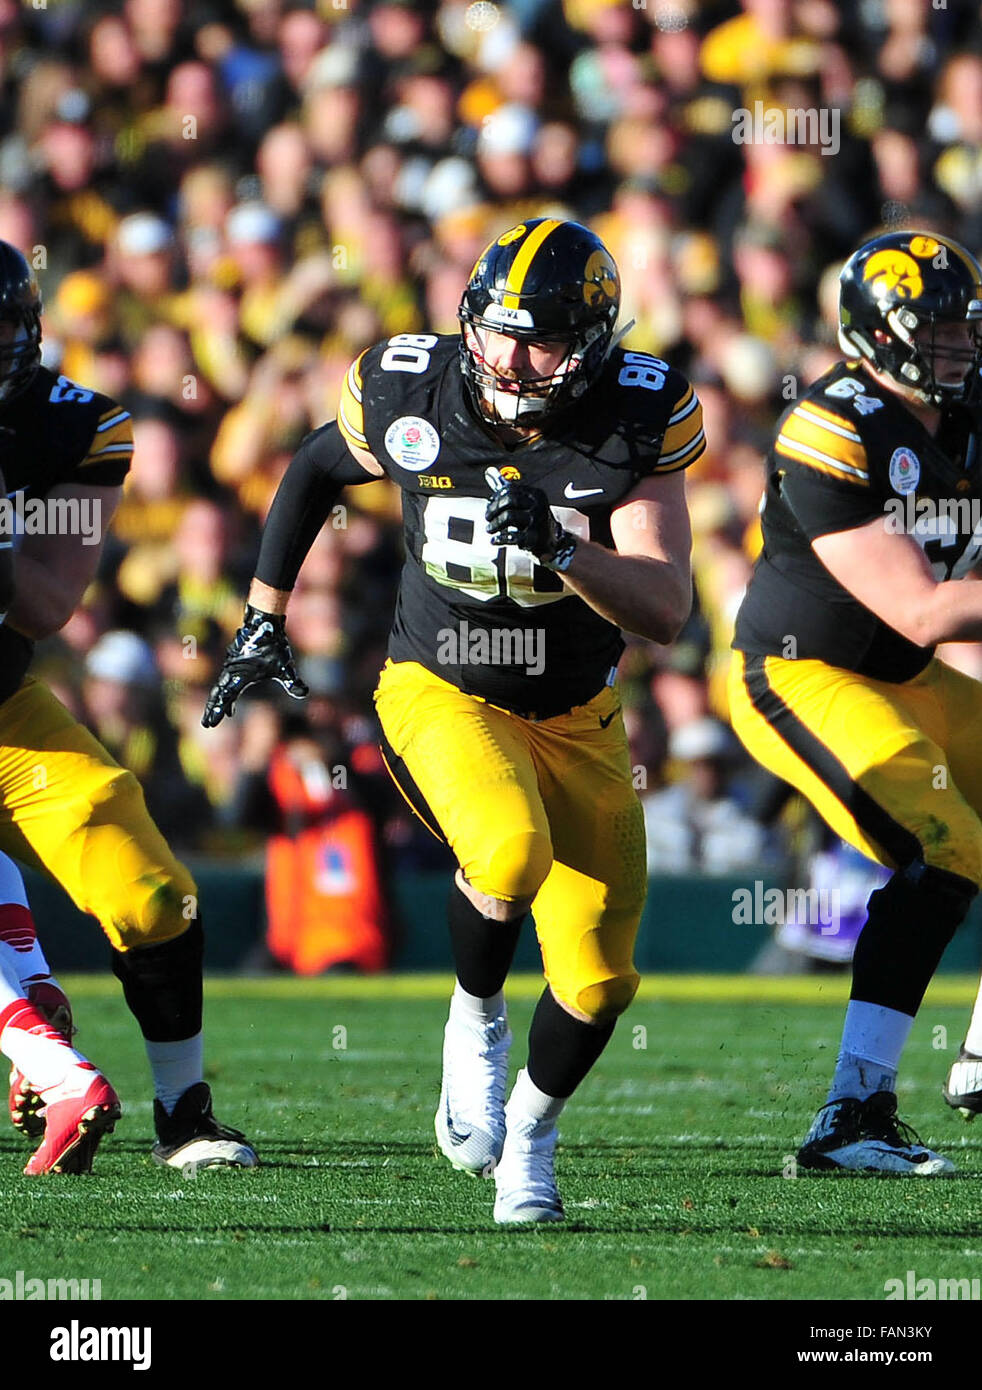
x=457, y=553
x=432, y=482
x=64, y=391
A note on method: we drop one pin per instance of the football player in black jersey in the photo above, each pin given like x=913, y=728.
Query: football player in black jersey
x=542, y=478
x=65, y=806
x=872, y=535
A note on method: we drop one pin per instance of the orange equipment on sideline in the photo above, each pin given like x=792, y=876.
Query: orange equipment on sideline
x=325, y=903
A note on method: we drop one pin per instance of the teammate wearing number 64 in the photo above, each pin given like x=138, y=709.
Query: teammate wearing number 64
x=541, y=469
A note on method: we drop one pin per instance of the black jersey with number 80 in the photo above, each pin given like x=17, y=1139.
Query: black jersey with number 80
x=491, y=620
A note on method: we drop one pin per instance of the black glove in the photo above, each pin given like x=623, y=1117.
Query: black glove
x=521, y=515
x=259, y=651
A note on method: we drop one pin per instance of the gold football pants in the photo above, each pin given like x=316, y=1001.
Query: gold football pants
x=545, y=810
x=894, y=769
x=68, y=809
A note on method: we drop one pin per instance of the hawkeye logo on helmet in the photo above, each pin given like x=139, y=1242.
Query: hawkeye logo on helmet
x=925, y=247
x=894, y=272
x=412, y=442
x=600, y=279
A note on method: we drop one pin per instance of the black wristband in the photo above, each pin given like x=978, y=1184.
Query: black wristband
x=562, y=555
x=253, y=617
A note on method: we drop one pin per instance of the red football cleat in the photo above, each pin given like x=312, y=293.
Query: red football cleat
x=24, y=1102
x=75, y=1121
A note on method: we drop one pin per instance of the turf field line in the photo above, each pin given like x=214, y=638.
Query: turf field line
x=955, y=990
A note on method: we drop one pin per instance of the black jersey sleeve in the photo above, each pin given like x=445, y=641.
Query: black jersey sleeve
x=684, y=439
x=107, y=459
x=822, y=507
x=660, y=414
x=318, y=472
x=351, y=411
x=823, y=473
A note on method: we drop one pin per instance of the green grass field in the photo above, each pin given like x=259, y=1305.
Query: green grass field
x=672, y=1162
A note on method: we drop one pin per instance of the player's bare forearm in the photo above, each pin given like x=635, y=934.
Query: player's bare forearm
x=953, y=613
x=43, y=602
x=267, y=599
x=650, y=597
x=53, y=570
x=890, y=575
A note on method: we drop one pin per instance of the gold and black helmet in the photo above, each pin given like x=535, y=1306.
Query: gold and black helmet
x=899, y=283
x=543, y=281
x=20, y=307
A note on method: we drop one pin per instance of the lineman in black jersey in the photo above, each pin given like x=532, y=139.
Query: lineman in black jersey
x=541, y=474
x=873, y=504
x=66, y=807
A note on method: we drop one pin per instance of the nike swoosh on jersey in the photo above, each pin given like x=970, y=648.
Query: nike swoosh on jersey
x=605, y=722
x=573, y=492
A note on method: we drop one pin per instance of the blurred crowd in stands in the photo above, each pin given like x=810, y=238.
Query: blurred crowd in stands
x=228, y=200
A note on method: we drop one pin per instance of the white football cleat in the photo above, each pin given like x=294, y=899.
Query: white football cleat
x=525, y=1180
x=190, y=1138
x=470, y=1120
x=963, y=1089
x=865, y=1136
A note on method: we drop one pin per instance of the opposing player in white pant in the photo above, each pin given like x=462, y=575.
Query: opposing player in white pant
x=963, y=1089
x=55, y=1092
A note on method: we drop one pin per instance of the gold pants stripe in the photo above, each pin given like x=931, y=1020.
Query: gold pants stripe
x=894, y=769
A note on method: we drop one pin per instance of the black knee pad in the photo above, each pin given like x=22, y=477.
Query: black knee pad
x=911, y=921
x=482, y=949
x=938, y=898
x=162, y=985
x=562, y=1049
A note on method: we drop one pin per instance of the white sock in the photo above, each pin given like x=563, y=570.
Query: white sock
x=176, y=1066
x=30, y=965
x=472, y=1008
x=529, y=1108
x=973, y=1038
x=873, y=1038
x=18, y=939
x=31, y=1044
x=40, y=1053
